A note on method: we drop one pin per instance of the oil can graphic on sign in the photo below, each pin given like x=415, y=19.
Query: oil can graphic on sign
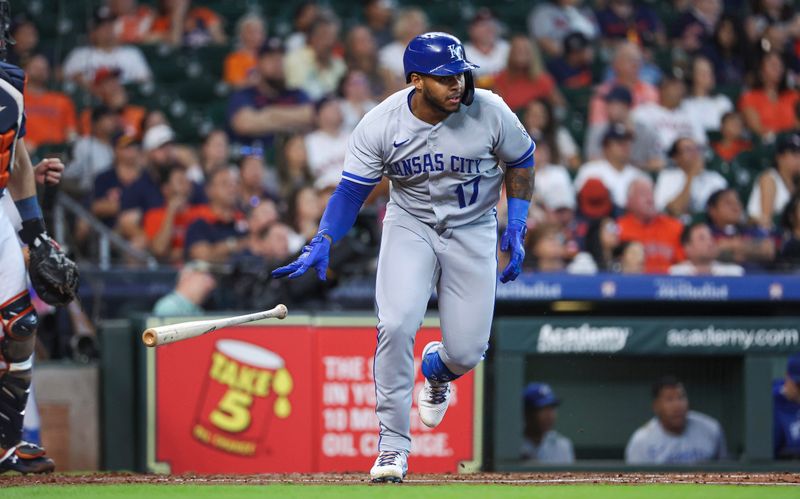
x=244, y=388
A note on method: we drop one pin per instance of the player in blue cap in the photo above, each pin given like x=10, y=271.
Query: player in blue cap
x=786, y=407
x=448, y=150
x=542, y=443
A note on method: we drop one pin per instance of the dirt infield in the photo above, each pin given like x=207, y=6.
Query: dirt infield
x=361, y=478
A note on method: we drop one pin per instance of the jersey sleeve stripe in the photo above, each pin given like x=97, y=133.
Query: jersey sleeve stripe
x=522, y=158
x=361, y=180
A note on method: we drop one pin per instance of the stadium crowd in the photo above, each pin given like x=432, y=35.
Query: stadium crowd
x=665, y=143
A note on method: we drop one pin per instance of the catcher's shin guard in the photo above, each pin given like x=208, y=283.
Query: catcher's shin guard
x=19, y=321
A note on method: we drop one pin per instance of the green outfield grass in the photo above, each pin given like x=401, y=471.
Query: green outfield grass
x=449, y=491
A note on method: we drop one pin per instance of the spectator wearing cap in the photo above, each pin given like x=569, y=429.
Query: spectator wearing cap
x=614, y=169
x=732, y=140
x=50, y=115
x=408, y=23
x=786, y=411
x=701, y=252
x=485, y=47
x=667, y=118
x=133, y=20
x=768, y=107
x=177, y=23
x=110, y=92
x=145, y=193
x=327, y=144
x=316, y=68
x=659, y=234
x=93, y=154
x=675, y=435
x=775, y=186
x=626, y=64
x=629, y=20
x=525, y=77
x=646, y=152
x=594, y=200
x=684, y=188
x=703, y=105
x=108, y=186
x=255, y=114
x=541, y=442
x=573, y=68
x=103, y=51
x=222, y=234
x=550, y=22
x=240, y=67
x=739, y=241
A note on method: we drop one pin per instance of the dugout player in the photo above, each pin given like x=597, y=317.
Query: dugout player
x=786, y=408
x=675, y=435
x=542, y=443
x=447, y=149
x=18, y=317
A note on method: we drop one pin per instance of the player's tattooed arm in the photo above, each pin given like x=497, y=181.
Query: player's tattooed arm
x=519, y=183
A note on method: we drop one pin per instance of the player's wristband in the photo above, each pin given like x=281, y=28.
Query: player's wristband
x=28, y=208
x=518, y=210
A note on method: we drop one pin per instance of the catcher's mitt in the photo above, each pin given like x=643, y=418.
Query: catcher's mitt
x=53, y=275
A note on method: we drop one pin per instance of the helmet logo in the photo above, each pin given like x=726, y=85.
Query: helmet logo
x=456, y=51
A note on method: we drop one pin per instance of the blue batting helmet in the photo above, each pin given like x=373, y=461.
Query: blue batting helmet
x=439, y=54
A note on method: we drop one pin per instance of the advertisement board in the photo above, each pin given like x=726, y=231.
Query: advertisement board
x=274, y=398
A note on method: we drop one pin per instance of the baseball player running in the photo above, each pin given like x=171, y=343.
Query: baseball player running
x=447, y=149
x=18, y=318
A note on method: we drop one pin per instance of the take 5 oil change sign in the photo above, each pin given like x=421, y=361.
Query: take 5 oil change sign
x=289, y=398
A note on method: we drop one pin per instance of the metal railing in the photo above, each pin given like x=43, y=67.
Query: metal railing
x=106, y=237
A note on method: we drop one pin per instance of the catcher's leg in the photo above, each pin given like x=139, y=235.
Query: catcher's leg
x=17, y=339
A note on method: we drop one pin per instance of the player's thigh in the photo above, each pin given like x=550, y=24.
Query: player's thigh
x=467, y=287
x=13, y=275
x=406, y=267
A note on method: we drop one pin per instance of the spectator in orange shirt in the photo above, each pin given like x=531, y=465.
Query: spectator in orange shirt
x=50, y=115
x=180, y=24
x=165, y=226
x=626, y=64
x=133, y=20
x=660, y=234
x=525, y=77
x=240, y=66
x=768, y=108
x=732, y=140
x=108, y=89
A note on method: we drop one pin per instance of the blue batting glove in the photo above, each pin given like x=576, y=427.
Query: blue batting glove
x=315, y=254
x=513, y=240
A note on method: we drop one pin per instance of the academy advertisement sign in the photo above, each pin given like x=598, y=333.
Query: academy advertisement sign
x=654, y=336
x=294, y=398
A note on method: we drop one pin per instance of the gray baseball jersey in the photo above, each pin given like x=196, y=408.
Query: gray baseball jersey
x=439, y=232
x=447, y=174
x=701, y=441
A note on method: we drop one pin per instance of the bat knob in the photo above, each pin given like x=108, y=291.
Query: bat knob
x=150, y=338
x=282, y=311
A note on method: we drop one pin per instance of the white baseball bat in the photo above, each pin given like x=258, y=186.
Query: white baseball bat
x=161, y=335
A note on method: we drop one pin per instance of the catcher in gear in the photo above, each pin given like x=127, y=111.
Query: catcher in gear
x=55, y=274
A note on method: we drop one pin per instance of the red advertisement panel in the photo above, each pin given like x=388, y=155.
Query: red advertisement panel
x=256, y=399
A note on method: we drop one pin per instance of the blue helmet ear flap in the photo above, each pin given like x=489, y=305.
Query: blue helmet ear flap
x=469, y=88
